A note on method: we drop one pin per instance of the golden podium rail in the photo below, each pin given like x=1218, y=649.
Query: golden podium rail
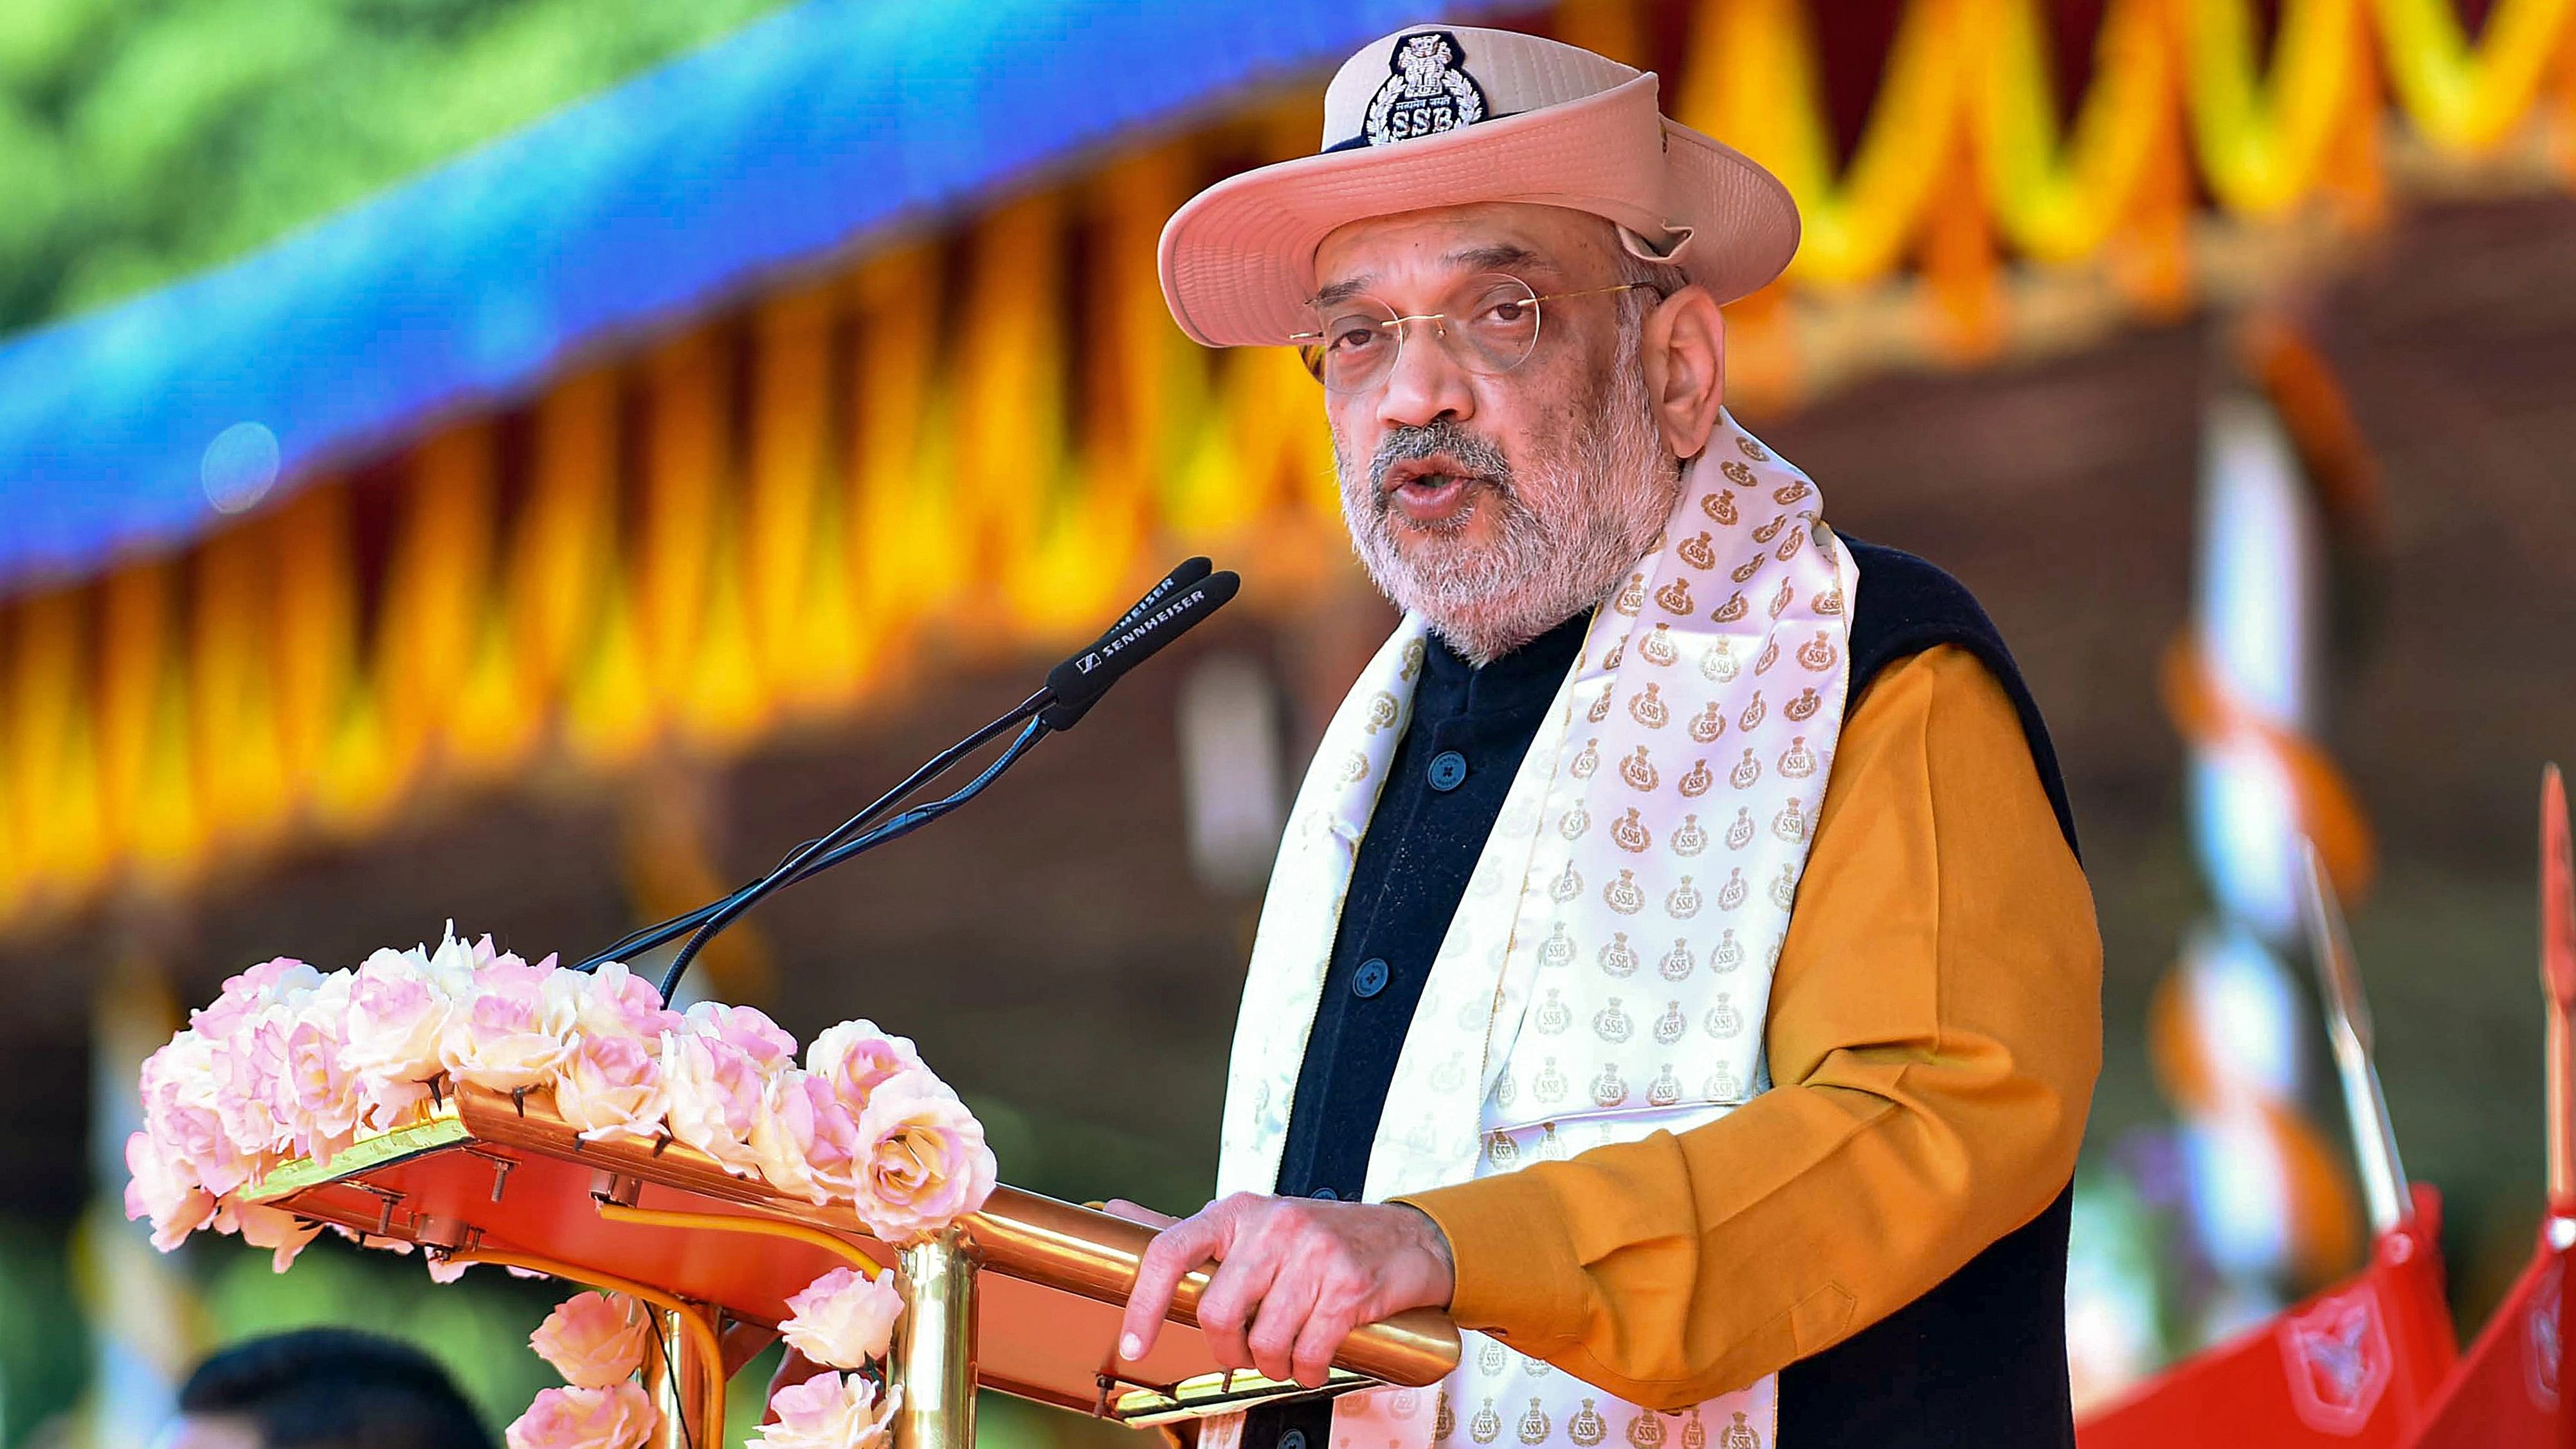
x=1024, y=1297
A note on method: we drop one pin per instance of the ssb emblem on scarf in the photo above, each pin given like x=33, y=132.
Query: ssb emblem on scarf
x=2338, y=1360
x=1425, y=94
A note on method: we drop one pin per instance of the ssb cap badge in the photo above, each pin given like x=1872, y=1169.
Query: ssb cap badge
x=1425, y=94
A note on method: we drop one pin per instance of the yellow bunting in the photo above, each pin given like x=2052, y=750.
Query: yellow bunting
x=1752, y=81
x=2148, y=254
x=897, y=474
x=1960, y=266
x=1154, y=387
x=975, y=440
x=2060, y=198
x=1260, y=442
x=49, y=755
x=698, y=643
x=240, y=765
x=133, y=667
x=564, y=550
x=609, y=706
x=2466, y=97
x=684, y=473
x=553, y=575
x=2261, y=140
x=430, y=623
x=316, y=620
x=785, y=489
x=586, y=626
x=1009, y=490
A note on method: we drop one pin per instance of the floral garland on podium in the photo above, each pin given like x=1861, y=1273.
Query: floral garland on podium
x=291, y=1062
x=598, y=1342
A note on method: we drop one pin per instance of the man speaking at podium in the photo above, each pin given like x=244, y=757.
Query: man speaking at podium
x=1677, y=965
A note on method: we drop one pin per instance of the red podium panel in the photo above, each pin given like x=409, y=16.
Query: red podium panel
x=495, y=1179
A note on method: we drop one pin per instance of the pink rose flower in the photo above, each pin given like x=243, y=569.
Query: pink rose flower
x=514, y=1031
x=399, y=1010
x=713, y=1091
x=275, y=1229
x=248, y=993
x=922, y=1163
x=746, y=1029
x=614, y=1001
x=317, y=1097
x=595, y=1340
x=612, y=1087
x=179, y=1112
x=249, y=1064
x=844, y=1318
x=855, y=1056
x=616, y=1417
x=805, y=1141
x=830, y=1411
x=164, y=1191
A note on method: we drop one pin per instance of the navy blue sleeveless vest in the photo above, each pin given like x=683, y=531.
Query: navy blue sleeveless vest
x=1981, y=1358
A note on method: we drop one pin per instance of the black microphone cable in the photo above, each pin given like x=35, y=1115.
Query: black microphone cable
x=1189, y=571
x=648, y=937
x=724, y=913
x=1172, y=607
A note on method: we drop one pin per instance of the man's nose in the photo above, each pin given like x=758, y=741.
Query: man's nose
x=1425, y=383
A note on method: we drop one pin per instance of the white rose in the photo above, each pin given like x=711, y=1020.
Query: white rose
x=844, y=1318
x=612, y=1087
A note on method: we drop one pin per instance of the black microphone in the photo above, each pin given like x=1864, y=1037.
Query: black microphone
x=1078, y=683
x=1188, y=571
x=1186, y=595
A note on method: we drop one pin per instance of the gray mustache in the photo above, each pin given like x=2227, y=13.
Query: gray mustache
x=1406, y=444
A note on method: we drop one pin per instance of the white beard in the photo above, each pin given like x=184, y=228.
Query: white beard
x=1569, y=526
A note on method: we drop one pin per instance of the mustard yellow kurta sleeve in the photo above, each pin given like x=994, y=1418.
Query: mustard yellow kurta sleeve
x=1934, y=1032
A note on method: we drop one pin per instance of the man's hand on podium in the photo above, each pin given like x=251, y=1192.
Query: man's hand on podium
x=1294, y=1276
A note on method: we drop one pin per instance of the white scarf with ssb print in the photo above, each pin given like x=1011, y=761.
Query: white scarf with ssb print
x=1608, y=972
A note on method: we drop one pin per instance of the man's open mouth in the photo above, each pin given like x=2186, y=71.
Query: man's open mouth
x=1432, y=489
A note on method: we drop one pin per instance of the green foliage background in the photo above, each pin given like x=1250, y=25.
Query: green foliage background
x=141, y=140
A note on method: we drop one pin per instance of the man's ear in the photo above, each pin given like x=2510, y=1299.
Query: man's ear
x=1685, y=356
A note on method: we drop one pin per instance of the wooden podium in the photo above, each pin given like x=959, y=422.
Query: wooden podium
x=1024, y=1297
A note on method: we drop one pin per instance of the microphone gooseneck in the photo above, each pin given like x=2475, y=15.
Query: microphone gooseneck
x=1188, y=594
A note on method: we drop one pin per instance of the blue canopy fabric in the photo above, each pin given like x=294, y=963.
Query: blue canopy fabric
x=793, y=137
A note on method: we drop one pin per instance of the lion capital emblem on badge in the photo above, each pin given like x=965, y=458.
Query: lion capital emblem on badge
x=1426, y=93
x=2339, y=1361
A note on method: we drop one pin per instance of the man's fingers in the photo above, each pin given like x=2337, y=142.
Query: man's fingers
x=1168, y=1259
x=1234, y=1290
x=1312, y=1360
x=1280, y=1321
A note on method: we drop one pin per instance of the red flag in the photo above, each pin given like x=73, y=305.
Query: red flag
x=2507, y=1392
x=2505, y=1395
x=2356, y=1365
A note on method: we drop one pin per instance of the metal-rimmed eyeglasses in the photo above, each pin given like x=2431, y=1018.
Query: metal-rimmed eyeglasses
x=1490, y=326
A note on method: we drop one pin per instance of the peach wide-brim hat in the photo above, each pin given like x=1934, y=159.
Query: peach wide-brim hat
x=1435, y=116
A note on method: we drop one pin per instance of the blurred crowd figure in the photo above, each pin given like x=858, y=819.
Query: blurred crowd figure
x=323, y=1388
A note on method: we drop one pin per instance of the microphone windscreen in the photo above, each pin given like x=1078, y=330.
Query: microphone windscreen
x=1188, y=571
x=1078, y=683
